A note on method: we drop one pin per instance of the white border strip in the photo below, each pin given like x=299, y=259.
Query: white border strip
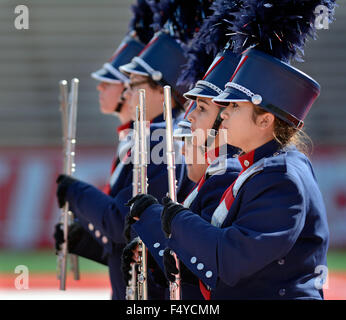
x=209, y=85
x=98, y=77
x=255, y=98
x=156, y=75
x=115, y=72
x=240, y=88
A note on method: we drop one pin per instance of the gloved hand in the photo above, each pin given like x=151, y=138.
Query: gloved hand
x=75, y=234
x=58, y=236
x=80, y=242
x=63, y=182
x=129, y=257
x=171, y=270
x=129, y=221
x=170, y=210
x=138, y=204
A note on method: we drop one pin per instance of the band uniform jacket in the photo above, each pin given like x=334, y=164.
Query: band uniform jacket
x=103, y=215
x=269, y=236
x=203, y=200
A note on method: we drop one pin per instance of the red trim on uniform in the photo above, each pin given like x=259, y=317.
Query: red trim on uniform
x=114, y=164
x=128, y=154
x=152, y=41
x=225, y=193
x=213, y=67
x=229, y=198
x=200, y=183
x=107, y=189
x=249, y=157
x=124, y=127
x=205, y=292
x=238, y=68
x=228, y=194
x=194, y=187
x=117, y=52
x=211, y=155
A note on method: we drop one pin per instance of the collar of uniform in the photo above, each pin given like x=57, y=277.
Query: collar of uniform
x=124, y=127
x=268, y=149
x=160, y=118
x=123, y=130
x=232, y=151
x=211, y=155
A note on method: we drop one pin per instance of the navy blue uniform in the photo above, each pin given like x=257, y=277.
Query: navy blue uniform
x=103, y=215
x=203, y=200
x=269, y=236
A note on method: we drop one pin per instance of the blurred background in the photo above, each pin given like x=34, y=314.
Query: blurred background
x=72, y=38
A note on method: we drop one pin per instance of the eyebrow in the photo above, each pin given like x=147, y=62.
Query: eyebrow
x=202, y=100
x=134, y=77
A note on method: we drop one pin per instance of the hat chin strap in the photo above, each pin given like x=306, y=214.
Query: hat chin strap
x=212, y=133
x=121, y=102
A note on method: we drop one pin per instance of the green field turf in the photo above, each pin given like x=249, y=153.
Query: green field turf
x=45, y=261
x=41, y=261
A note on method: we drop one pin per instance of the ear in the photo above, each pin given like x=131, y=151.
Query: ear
x=265, y=120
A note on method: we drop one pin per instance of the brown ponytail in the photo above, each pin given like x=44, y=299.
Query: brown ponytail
x=287, y=135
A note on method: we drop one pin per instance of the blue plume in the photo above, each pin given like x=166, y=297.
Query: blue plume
x=182, y=18
x=162, y=10
x=210, y=40
x=277, y=27
x=189, y=17
x=142, y=20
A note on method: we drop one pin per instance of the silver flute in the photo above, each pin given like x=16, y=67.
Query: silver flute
x=174, y=287
x=137, y=288
x=131, y=289
x=68, y=108
x=142, y=281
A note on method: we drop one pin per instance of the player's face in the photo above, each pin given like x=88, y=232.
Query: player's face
x=153, y=96
x=109, y=96
x=136, y=83
x=202, y=119
x=242, y=131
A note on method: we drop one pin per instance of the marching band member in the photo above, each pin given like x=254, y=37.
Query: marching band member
x=195, y=172
x=211, y=176
x=83, y=238
x=106, y=213
x=270, y=232
x=268, y=237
